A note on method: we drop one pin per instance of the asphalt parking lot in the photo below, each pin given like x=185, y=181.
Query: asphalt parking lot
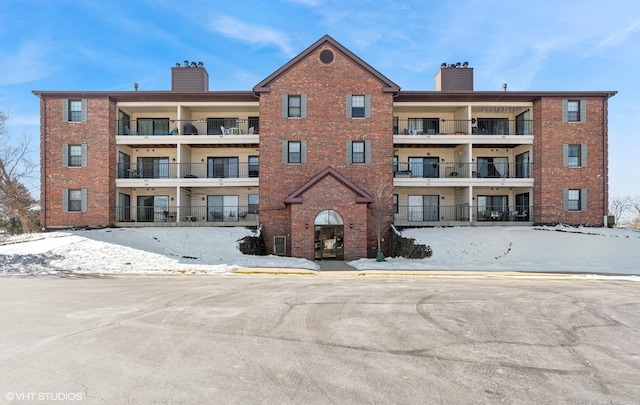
x=294, y=339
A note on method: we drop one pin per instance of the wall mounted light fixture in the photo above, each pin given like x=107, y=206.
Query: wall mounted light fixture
x=306, y=226
x=350, y=226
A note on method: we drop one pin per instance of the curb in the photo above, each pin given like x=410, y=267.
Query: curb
x=408, y=273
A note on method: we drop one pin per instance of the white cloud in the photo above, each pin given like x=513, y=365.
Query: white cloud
x=617, y=38
x=253, y=34
x=26, y=65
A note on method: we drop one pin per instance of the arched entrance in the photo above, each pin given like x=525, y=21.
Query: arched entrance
x=329, y=236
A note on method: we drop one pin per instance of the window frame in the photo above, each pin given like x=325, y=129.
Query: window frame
x=357, y=106
x=287, y=108
x=358, y=156
x=366, y=155
x=67, y=200
x=568, y=204
x=81, y=160
x=568, y=160
x=74, y=115
x=367, y=106
x=253, y=203
x=573, y=116
x=253, y=163
x=573, y=199
x=294, y=157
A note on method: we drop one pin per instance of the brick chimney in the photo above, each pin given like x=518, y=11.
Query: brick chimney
x=454, y=77
x=190, y=78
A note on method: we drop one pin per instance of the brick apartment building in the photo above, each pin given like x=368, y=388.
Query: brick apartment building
x=323, y=153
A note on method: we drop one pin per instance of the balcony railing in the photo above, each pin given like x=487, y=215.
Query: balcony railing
x=212, y=214
x=479, y=126
x=209, y=126
x=416, y=214
x=161, y=170
x=436, y=170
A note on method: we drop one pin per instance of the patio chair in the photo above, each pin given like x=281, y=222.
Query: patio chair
x=168, y=216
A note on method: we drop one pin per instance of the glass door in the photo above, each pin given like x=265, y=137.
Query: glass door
x=329, y=243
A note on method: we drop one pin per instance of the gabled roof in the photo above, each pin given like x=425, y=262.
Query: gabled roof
x=361, y=196
x=389, y=86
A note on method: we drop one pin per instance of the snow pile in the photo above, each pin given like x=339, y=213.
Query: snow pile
x=215, y=250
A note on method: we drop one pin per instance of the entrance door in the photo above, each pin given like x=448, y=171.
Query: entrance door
x=329, y=244
x=329, y=236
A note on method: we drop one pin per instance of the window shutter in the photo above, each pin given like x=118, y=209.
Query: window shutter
x=84, y=155
x=348, y=105
x=583, y=199
x=367, y=151
x=285, y=105
x=367, y=106
x=83, y=202
x=65, y=200
x=565, y=155
x=583, y=110
x=303, y=105
x=349, y=152
x=83, y=116
x=65, y=155
x=565, y=110
x=65, y=110
x=583, y=158
x=303, y=151
x=285, y=151
x=565, y=199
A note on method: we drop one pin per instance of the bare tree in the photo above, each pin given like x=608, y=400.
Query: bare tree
x=381, y=215
x=15, y=169
x=619, y=206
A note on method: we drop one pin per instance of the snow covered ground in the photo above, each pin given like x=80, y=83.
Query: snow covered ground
x=215, y=250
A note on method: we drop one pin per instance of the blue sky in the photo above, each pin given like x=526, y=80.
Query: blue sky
x=537, y=46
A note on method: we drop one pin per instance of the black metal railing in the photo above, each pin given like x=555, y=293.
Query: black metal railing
x=484, y=169
x=407, y=214
x=236, y=213
x=475, y=126
x=165, y=170
x=208, y=126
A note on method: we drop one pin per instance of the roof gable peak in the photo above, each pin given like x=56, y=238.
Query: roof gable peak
x=388, y=85
x=362, y=197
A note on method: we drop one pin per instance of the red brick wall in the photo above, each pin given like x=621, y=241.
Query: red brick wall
x=329, y=194
x=551, y=177
x=98, y=177
x=326, y=130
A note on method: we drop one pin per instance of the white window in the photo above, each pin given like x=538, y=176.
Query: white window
x=358, y=152
x=294, y=151
x=74, y=155
x=294, y=106
x=575, y=199
x=74, y=200
x=358, y=106
x=74, y=110
x=574, y=110
x=574, y=155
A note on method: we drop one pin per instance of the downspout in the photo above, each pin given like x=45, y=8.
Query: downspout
x=605, y=150
x=43, y=164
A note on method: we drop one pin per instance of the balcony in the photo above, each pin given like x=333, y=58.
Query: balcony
x=452, y=170
x=167, y=127
x=461, y=214
x=475, y=126
x=187, y=215
x=166, y=170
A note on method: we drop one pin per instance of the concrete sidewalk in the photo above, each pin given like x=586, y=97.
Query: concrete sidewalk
x=334, y=265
